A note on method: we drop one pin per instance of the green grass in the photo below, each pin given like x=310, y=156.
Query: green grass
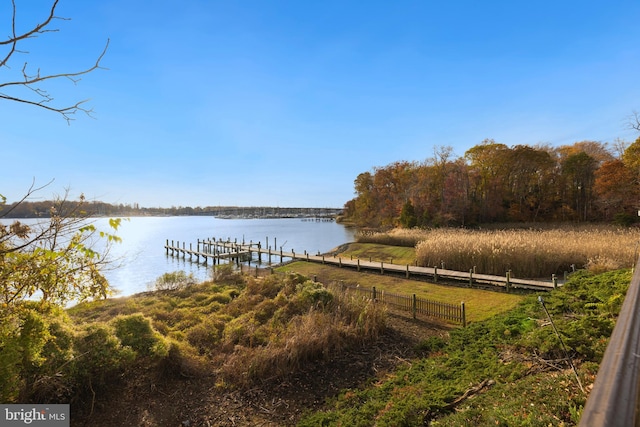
x=479, y=304
x=515, y=351
x=379, y=252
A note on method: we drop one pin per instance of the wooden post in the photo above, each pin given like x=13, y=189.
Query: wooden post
x=184, y=251
x=407, y=271
x=381, y=267
x=358, y=264
x=508, y=283
x=280, y=255
x=167, y=246
x=554, y=279
x=323, y=259
x=339, y=262
x=471, y=277
x=259, y=253
x=464, y=315
x=190, y=251
x=435, y=273
x=373, y=293
x=413, y=306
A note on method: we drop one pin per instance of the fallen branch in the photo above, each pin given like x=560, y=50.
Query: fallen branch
x=469, y=393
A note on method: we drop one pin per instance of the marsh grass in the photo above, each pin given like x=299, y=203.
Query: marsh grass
x=527, y=252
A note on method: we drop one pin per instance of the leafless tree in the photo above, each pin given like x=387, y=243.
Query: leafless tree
x=634, y=121
x=35, y=81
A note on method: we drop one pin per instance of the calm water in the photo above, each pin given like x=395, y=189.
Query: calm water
x=142, y=257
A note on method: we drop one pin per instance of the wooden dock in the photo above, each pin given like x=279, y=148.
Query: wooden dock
x=216, y=250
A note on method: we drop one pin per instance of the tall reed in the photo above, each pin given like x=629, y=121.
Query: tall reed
x=396, y=237
x=529, y=253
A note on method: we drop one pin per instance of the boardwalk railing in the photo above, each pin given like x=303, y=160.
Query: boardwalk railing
x=218, y=249
x=452, y=313
x=614, y=400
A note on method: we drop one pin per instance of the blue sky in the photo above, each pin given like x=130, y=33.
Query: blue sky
x=284, y=103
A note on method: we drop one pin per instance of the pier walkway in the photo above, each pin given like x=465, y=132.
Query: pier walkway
x=216, y=250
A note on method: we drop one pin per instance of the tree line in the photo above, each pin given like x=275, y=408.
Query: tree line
x=43, y=209
x=492, y=183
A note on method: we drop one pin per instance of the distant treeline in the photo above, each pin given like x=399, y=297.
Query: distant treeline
x=586, y=181
x=42, y=209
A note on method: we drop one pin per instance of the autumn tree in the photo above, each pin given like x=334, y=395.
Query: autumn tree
x=616, y=188
x=528, y=181
x=489, y=170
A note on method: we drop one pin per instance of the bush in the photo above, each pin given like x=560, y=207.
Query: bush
x=99, y=355
x=173, y=281
x=225, y=273
x=135, y=331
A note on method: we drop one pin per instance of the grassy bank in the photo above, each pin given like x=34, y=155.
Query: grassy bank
x=480, y=304
x=509, y=370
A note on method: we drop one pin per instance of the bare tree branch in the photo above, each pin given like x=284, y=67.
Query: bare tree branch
x=41, y=97
x=634, y=121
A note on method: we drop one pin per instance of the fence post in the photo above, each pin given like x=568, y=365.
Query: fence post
x=373, y=293
x=508, y=284
x=554, y=279
x=435, y=273
x=339, y=262
x=414, y=308
x=471, y=277
x=407, y=271
x=358, y=264
x=464, y=315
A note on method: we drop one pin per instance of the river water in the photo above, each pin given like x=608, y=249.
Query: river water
x=141, y=257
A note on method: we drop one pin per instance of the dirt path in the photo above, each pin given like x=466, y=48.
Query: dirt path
x=146, y=400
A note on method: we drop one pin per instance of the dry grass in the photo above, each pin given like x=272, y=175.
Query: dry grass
x=397, y=237
x=529, y=253
x=256, y=330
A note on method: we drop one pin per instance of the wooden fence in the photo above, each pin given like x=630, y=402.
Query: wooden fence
x=452, y=313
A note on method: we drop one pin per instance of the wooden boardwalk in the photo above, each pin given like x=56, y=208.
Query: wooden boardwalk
x=216, y=250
